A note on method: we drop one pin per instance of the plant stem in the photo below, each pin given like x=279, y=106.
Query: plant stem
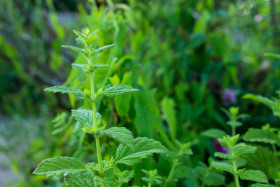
x=149, y=185
x=99, y=156
x=174, y=164
x=235, y=173
x=274, y=149
x=233, y=131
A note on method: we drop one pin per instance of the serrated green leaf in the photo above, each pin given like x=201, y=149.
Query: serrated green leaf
x=143, y=148
x=59, y=165
x=66, y=89
x=77, y=49
x=103, y=48
x=254, y=175
x=242, y=150
x=120, y=134
x=80, y=67
x=259, y=135
x=223, y=156
x=222, y=166
x=81, y=179
x=118, y=90
x=265, y=160
x=85, y=116
x=214, y=133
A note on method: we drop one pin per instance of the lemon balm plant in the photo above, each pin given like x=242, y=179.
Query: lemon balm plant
x=130, y=151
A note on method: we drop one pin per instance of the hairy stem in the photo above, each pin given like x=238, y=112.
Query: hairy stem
x=99, y=156
x=235, y=173
x=174, y=164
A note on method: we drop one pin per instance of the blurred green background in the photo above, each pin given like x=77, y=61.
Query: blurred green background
x=189, y=57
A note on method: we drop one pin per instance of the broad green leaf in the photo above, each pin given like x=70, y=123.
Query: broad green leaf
x=261, y=99
x=77, y=49
x=59, y=165
x=147, y=114
x=120, y=134
x=169, y=115
x=81, y=179
x=103, y=48
x=209, y=177
x=223, y=156
x=182, y=171
x=122, y=102
x=265, y=160
x=214, y=179
x=214, y=133
x=66, y=89
x=242, y=150
x=143, y=148
x=118, y=90
x=273, y=55
x=222, y=166
x=259, y=135
x=254, y=175
x=85, y=116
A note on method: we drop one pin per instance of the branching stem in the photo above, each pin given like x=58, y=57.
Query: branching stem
x=174, y=164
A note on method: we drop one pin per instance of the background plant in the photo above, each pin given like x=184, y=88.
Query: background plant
x=184, y=56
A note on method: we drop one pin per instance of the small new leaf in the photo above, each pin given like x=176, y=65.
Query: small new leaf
x=254, y=175
x=120, y=134
x=59, y=165
x=118, y=90
x=66, y=89
x=77, y=49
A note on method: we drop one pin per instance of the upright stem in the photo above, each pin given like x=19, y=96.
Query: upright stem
x=235, y=173
x=233, y=131
x=174, y=164
x=99, y=157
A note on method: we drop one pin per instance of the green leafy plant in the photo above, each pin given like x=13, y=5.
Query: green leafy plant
x=236, y=152
x=130, y=151
x=152, y=177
